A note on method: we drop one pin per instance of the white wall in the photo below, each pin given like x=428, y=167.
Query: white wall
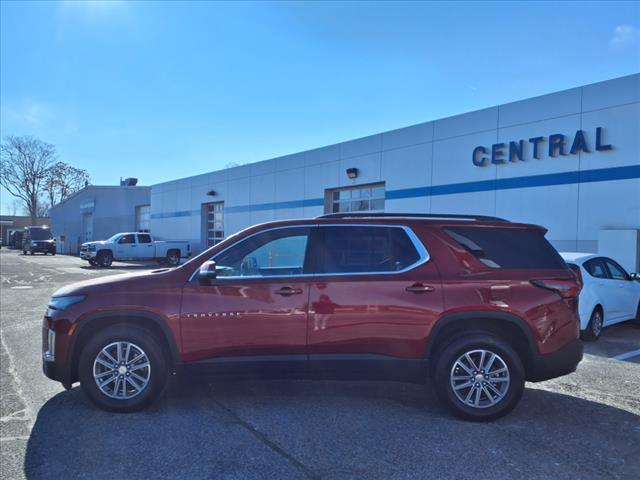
x=438, y=154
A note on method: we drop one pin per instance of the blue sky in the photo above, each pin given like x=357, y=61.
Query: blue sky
x=166, y=90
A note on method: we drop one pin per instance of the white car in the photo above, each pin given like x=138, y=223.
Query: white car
x=609, y=294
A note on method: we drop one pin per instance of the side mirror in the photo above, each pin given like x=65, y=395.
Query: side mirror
x=207, y=272
x=635, y=277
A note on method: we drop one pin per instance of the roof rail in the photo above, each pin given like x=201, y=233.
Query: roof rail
x=426, y=216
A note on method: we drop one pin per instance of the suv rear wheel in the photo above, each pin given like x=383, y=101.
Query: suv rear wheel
x=122, y=369
x=479, y=377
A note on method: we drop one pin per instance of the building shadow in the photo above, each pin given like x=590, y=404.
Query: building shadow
x=240, y=430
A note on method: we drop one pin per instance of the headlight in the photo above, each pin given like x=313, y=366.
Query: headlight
x=33, y=243
x=62, y=303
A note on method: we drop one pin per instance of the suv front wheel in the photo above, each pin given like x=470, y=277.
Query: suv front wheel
x=122, y=368
x=479, y=377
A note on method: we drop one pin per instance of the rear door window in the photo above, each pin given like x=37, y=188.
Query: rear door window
x=520, y=248
x=144, y=238
x=364, y=249
x=596, y=268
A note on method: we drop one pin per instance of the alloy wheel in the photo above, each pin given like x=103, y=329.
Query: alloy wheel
x=596, y=324
x=480, y=378
x=122, y=370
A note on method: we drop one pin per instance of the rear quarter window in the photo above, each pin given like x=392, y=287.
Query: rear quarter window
x=508, y=247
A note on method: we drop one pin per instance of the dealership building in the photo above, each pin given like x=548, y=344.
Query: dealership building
x=99, y=211
x=569, y=161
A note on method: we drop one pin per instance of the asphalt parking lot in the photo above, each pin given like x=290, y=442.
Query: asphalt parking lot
x=585, y=425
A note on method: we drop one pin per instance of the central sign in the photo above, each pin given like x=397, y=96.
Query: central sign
x=557, y=144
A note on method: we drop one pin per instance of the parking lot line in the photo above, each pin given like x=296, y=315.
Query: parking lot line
x=627, y=355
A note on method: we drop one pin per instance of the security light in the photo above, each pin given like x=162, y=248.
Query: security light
x=352, y=173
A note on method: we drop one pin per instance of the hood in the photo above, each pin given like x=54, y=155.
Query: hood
x=99, y=242
x=113, y=283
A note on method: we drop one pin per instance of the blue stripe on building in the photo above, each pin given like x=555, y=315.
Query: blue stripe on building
x=564, y=178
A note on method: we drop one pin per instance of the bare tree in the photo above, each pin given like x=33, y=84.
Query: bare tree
x=24, y=162
x=63, y=180
x=15, y=207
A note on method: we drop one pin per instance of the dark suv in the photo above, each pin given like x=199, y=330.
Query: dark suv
x=38, y=239
x=476, y=304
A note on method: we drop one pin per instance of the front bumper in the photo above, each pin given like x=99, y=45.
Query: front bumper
x=88, y=255
x=48, y=248
x=561, y=362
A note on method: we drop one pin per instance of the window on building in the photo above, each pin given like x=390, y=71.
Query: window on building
x=363, y=198
x=214, y=222
x=143, y=218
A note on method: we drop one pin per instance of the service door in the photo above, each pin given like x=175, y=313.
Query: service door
x=257, y=306
x=376, y=295
x=87, y=227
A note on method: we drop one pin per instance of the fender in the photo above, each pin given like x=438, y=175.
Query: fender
x=480, y=315
x=127, y=314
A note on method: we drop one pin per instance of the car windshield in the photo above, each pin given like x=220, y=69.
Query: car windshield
x=114, y=238
x=41, y=234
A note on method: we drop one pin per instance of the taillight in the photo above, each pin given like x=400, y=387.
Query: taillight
x=576, y=271
x=565, y=288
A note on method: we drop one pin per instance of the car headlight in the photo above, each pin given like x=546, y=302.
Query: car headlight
x=62, y=303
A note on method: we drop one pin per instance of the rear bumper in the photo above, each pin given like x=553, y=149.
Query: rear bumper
x=556, y=364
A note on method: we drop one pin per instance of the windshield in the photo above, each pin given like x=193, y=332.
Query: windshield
x=114, y=238
x=41, y=234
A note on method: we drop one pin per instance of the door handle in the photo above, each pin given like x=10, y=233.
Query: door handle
x=286, y=291
x=420, y=288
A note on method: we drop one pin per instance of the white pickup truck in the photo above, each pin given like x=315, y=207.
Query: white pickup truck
x=134, y=246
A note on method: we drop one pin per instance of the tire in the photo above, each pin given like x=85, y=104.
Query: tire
x=53, y=254
x=498, y=395
x=173, y=258
x=594, y=327
x=24, y=252
x=30, y=252
x=131, y=399
x=93, y=263
x=104, y=258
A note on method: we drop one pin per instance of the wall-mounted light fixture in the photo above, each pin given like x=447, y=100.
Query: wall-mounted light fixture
x=212, y=193
x=352, y=173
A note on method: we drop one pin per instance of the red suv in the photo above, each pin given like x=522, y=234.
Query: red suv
x=476, y=304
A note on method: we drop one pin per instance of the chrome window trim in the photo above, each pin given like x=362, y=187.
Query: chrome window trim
x=424, y=256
